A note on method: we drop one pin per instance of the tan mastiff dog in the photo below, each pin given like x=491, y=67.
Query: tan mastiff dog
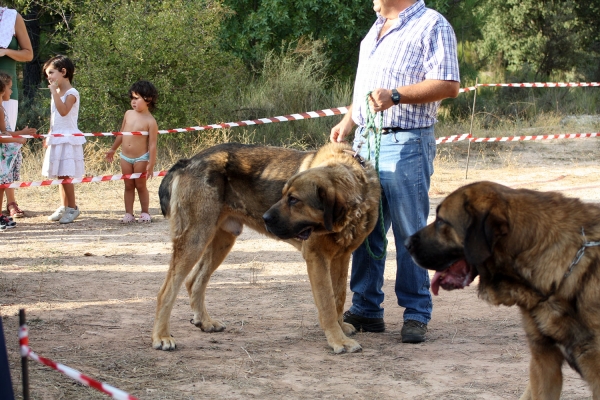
x=330, y=204
x=537, y=250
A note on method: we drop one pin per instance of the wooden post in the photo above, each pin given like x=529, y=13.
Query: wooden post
x=471, y=129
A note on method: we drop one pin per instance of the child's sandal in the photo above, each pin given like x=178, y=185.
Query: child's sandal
x=14, y=210
x=128, y=218
x=145, y=217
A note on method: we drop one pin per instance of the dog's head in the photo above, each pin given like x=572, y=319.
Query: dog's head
x=312, y=202
x=468, y=225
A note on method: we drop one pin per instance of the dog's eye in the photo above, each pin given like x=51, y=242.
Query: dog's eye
x=439, y=222
x=292, y=200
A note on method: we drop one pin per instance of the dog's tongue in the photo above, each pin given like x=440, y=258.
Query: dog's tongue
x=457, y=276
x=435, y=283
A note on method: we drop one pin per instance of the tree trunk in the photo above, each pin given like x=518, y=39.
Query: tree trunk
x=32, y=71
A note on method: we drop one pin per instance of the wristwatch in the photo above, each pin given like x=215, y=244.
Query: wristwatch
x=396, y=97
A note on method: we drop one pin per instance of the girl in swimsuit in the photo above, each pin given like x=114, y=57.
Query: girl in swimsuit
x=138, y=153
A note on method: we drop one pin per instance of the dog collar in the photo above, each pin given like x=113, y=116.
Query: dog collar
x=580, y=252
x=357, y=157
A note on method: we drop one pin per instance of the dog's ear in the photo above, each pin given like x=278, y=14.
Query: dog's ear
x=483, y=232
x=333, y=207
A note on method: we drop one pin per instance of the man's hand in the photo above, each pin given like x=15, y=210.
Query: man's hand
x=380, y=99
x=341, y=130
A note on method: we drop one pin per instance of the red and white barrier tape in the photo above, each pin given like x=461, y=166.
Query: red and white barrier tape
x=261, y=121
x=536, y=137
x=87, y=179
x=453, y=138
x=542, y=84
x=305, y=115
x=70, y=372
x=467, y=89
x=446, y=139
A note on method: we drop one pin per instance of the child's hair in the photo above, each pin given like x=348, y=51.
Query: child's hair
x=59, y=63
x=5, y=79
x=147, y=91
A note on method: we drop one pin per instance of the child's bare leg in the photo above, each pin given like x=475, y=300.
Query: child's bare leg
x=67, y=193
x=140, y=185
x=2, y=197
x=129, y=195
x=10, y=195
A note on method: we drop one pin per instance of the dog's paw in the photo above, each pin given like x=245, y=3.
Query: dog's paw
x=164, y=343
x=347, y=328
x=347, y=346
x=209, y=325
x=352, y=346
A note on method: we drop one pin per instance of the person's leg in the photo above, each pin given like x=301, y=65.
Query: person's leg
x=10, y=195
x=63, y=197
x=71, y=210
x=406, y=182
x=140, y=186
x=129, y=195
x=11, y=204
x=366, y=276
x=67, y=193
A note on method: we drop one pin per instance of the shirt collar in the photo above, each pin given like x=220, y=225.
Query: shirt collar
x=407, y=13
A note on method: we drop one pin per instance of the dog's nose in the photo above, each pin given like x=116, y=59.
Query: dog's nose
x=268, y=217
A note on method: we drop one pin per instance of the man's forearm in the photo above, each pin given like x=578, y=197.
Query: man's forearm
x=428, y=91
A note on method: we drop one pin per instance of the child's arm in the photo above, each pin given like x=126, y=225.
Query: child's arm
x=152, y=140
x=62, y=108
x=110, y=155
x=3, y=131
x=26, y=131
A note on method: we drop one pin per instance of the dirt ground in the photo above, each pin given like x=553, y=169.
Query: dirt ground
x=89, y=291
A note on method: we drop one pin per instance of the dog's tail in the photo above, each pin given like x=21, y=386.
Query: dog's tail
x=164, y=191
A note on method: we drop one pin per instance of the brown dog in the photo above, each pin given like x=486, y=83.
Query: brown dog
x=329, y=206
x=537, y=250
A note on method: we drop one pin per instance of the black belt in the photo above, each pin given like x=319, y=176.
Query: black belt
x=386, y=131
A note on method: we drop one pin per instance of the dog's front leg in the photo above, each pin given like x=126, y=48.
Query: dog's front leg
x=319, y=273
x=545, y=374
x=339, y=280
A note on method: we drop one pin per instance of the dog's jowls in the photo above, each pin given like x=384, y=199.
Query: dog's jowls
x=524, y=246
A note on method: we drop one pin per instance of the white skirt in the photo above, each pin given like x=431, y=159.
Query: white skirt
x=64, y=160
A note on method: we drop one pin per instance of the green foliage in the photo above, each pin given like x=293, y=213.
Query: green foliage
x=545, y=36
x=169, y=43
x=293, y=80
x=259, y=26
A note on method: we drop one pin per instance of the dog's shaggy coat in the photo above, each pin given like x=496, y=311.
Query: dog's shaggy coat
x=325, y=203
x=525, y=247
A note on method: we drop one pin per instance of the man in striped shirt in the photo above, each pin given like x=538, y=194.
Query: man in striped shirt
x=408, y=62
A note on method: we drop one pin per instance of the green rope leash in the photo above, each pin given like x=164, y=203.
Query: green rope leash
x=371, y=126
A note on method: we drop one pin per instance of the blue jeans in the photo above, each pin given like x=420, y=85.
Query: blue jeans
x=405, y=169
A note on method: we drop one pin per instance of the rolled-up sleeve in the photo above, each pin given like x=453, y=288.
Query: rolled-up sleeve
x=441, y=60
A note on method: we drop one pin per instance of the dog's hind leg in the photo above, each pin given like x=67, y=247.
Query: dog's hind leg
x=197, y=281
x=185, y=255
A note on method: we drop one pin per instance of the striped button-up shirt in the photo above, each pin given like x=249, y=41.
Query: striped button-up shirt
x=420, y=45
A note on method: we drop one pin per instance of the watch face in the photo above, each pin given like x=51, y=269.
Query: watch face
x=395, y=96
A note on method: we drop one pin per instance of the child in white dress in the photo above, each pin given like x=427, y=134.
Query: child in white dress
x=64, y=155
